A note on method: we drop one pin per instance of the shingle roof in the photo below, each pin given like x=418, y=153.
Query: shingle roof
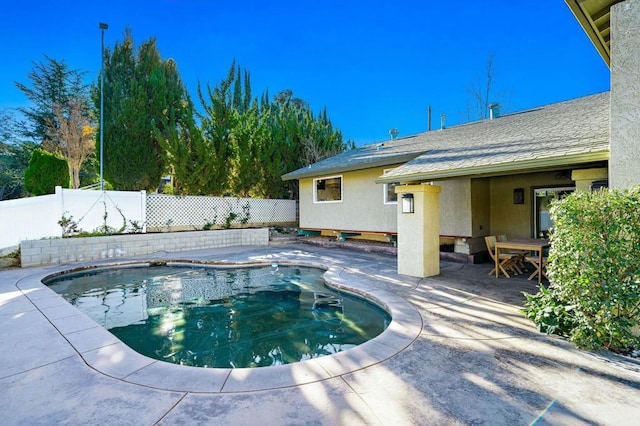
x=380, y=154
x=564, y=133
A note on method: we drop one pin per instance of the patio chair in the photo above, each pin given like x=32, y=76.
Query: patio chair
x=521, y=253
x=542, y=268
x=507, y=261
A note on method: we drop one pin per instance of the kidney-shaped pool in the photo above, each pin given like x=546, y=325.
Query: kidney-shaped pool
x=223, y=317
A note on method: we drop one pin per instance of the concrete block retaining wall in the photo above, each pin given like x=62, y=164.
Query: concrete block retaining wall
x=69, y=250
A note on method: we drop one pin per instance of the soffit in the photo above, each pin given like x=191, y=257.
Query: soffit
x=594, y=17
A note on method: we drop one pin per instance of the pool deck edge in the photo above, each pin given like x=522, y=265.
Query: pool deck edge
x=111, y=357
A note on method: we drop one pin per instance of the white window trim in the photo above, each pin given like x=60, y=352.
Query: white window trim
x=384, y=191
x=315, y=194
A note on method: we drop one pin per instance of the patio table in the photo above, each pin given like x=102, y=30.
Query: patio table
x=532, y=244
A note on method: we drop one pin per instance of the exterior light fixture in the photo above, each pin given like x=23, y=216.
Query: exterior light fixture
x=103, y=27
x=518, y=196
x=407, y=203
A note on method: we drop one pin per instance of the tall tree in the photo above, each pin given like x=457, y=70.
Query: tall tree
x=218, y=120
x=245, y=144
x=52, y=83
x=300, y=138
x=188, y=153
x=247, y=138
x=483, y=93
x=139, y=90
x=71, y=135
x=14, y=158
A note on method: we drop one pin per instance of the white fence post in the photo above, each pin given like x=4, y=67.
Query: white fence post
x=60, y=204
x=143, y=209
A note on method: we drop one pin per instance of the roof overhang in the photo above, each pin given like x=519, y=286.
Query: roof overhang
x=594, y=18
x=383, y=161
x=513, y=167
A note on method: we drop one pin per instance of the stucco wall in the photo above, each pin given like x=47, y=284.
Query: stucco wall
x=469, y=208
x=625, y=95
x=515, y=220
x=362, y=207
x=480, y=206
x=584, y=178
x=455, y=207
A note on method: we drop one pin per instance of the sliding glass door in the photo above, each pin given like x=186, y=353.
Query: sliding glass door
x=542, y=199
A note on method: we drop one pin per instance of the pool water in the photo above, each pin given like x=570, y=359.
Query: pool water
x=223, y=317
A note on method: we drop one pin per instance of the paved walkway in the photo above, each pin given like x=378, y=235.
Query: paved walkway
x=459, y=353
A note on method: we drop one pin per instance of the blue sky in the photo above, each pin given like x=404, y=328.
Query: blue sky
x=375, y=65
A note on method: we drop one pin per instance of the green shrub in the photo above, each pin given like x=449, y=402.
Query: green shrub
x=594, y=271
x=45, y=172
x=69, y=226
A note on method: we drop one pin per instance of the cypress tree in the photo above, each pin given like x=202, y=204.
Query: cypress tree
x=140, y=90
x=46, y=171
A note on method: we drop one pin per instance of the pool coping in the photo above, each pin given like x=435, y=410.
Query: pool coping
x=106, y=354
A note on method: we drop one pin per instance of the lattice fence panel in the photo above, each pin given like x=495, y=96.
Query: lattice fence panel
x=194, y=212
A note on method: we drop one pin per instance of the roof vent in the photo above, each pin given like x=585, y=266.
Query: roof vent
x=494, y=110
x=442, y=118
x=394, y=133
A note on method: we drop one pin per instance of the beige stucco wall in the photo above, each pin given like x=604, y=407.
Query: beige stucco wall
x=362, y=207
x=584, y=178
x=624, y=171
x=469, y=209
x=515, y=220
x=480, y=205
x=455, y=207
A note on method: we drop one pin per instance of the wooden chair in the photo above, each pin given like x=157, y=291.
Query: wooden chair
x=535, y=261
x=521, y=253
x=507, y=261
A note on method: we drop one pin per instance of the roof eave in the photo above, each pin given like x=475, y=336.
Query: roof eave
x=385, y=161
x=588, y=25
x=538, y=164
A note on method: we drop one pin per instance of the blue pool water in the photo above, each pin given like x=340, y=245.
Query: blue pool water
x=221, y=317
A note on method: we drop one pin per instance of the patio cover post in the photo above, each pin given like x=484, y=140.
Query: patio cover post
x=419, y=232
x=625, y=95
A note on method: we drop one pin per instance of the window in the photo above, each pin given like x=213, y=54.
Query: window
x=390, y=196
x=327, y=189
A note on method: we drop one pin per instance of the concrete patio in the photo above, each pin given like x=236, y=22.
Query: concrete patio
x=457, y=352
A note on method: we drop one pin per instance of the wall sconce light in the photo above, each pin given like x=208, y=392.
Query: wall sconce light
x=407, y=203
x=518, y=196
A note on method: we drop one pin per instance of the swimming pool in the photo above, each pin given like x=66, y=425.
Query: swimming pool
x=230, y=317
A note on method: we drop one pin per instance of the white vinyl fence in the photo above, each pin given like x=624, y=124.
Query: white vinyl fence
x=37, y=217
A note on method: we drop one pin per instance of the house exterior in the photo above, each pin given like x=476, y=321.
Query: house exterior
x=489, y=177
x=491, y=174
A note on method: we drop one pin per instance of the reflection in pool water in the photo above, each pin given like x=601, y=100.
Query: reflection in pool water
x=221, y=317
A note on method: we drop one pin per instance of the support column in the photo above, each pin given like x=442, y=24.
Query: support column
x=624, y=171
x=419, y=232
